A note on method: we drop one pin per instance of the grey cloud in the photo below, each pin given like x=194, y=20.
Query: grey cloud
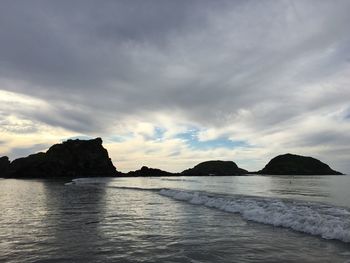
x=17, y=128
x=331, y=138
x=80, y=43
x=96, y=62
x=25, y=151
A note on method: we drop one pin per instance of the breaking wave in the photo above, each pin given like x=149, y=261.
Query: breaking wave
x=326, y=221
x=307, y=217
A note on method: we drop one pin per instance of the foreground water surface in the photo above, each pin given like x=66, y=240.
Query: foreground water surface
x=176, y=219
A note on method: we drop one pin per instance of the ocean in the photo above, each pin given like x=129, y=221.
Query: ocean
x=176, y=219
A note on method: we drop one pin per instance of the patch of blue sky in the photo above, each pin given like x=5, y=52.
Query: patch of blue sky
x=159, y=133
x=190, y=135
x=191, y=139
x=119, y=138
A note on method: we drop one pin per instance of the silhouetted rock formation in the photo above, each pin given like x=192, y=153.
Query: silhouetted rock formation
x=291, y=164
x=88, y=158
x=145, y=171
x=72, y=158
x=219, y=168
x=4, y=165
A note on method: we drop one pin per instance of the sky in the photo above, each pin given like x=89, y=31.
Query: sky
x=169, y=84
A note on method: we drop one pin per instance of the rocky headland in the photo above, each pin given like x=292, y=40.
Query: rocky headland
x=72, y=158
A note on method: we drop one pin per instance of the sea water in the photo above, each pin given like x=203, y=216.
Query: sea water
x=176, y=219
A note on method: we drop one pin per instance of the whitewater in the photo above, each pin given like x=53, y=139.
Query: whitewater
x=312, y=218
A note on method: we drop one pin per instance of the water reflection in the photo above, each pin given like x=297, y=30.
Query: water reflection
x=20, y=217
x=72, y=219
x=42, y=220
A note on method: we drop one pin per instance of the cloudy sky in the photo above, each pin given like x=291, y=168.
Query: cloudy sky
x=169, y=83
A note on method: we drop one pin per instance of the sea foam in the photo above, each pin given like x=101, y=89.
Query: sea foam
x=308, y=217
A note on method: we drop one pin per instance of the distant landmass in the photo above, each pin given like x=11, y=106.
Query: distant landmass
x=145, y=171
x=209, y=168
x=291, y=164
x=218, y=168
x=88, y=158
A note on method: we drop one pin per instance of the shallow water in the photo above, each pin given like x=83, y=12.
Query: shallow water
x=176, y=219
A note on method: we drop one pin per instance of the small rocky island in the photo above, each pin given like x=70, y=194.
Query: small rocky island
x=218, y=168
x=291, y=164
x=72, y=158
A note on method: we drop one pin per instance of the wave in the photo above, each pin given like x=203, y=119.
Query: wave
x=136, y=188
x=91, y=180
x=326, y=221
x=179, y=180
x=103, y=182
x=311, y=218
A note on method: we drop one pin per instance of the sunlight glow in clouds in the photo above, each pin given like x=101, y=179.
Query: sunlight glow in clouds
x=171, y=83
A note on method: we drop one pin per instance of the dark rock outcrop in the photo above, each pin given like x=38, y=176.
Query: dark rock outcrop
x=218, y=168
x=291, y=164
x=4, y=165
x=145, y=171
x=72, y=158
